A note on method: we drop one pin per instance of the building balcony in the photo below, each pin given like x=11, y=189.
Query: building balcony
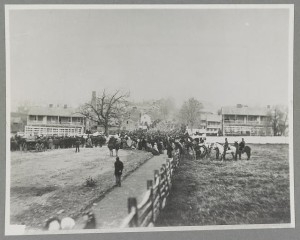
x=55, y=124
x=214, y=126
x=247, y=123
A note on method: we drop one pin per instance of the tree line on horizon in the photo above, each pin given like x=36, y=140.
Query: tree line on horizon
x=112, y=109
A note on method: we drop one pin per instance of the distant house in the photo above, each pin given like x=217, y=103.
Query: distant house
x=17, y=122
x=244, y=120
x=209, y=124
x=213, y=124
x=60, y=121
x=129, y=125
x=145, y=120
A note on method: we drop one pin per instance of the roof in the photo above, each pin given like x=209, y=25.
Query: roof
x=54, y=111
x=255, y=111
x=214, y=118
x=16, y=120
x=211, y=117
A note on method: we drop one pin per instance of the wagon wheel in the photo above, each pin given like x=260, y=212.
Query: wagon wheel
x=25, y=147
x=42, y=147
x=37, y=146
x=202, y=155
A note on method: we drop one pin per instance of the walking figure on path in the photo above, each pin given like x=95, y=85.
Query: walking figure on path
x=77, y=143
x=118, y=171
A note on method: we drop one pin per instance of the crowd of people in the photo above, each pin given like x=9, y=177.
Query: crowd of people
x=155, y=142
x=56, y=142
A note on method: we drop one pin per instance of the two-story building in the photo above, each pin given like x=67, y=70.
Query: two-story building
x=213, y=124
x=244, y=120
x=209, y=124
x=51, y=120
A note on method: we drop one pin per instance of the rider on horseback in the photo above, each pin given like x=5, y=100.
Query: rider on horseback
x=242, y=144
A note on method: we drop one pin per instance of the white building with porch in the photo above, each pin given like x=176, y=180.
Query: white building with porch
x=246, y=121
x=51, y=120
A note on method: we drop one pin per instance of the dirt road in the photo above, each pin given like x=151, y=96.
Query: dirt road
x=112, y=209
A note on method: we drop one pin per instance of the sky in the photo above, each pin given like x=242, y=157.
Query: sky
x=220, y=56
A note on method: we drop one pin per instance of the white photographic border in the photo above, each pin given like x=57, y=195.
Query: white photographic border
x=19, y=229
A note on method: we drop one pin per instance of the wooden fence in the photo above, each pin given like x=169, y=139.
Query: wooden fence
x=147, y=211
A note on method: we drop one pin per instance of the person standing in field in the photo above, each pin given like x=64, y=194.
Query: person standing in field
x=77, y=144
x=225, y=147
x=118, y=171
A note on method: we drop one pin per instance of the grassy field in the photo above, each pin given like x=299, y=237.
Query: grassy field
x=52, y=183
x=233, y=192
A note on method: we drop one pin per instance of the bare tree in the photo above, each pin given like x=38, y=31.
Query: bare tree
x=278, y=116
x=166, y=106
x=190, y=112
x=108, y=109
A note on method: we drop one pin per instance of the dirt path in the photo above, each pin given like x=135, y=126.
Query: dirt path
x=112, y=209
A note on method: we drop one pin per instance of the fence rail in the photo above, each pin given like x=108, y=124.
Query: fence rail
x=147, y=211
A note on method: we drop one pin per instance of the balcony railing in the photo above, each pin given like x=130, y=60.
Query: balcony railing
x=50, y=123
x=214, y=127
x=241, y=122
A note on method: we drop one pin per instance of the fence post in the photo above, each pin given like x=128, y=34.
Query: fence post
x=150, y=187
x=132, y=203
x=171, y=173
x=157, y=175
x=166, y=176
x=168, y=163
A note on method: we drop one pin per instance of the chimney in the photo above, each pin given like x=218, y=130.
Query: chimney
x=50, y=105
x=65, y=106
x=268, y=106
x=93, y=101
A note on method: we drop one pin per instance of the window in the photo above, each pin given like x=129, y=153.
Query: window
x=252, y=118
x=32, y=118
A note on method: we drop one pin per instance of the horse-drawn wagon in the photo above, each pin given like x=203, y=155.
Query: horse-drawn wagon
x=36, y=144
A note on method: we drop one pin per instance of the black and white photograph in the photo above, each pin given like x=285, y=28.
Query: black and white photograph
x=143, y=118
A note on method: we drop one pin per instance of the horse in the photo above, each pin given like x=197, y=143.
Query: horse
x=246, y=150
x=209, y=148
x=179, y=147
x=200, y=150
x=220, y=149
x=113, y=143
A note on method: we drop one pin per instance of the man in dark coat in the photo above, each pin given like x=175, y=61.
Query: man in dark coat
x=225, y=147
x=169, y=149
x=77, y=144
x=118, y=171
x=242, y=144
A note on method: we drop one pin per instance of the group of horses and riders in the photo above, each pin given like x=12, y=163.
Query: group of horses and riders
x=156, y=142
x=192, y=146
x=236, y=150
